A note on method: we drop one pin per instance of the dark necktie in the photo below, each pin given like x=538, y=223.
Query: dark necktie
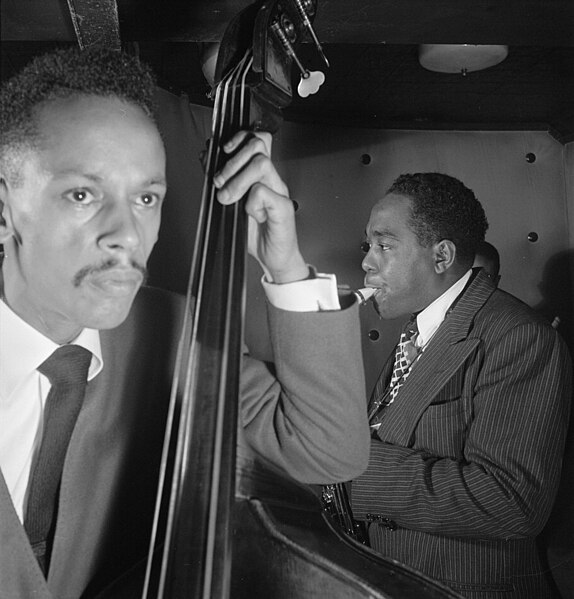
x=406, y=354
x=67, y=371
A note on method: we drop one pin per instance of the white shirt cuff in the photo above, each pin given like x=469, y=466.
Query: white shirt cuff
x=309, y=295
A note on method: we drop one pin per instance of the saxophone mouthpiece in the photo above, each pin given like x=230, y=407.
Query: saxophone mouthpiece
x=364, y=294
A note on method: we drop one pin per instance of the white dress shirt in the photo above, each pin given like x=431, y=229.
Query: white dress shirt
x=23, y=393
x=429, y=320
x=23, y=390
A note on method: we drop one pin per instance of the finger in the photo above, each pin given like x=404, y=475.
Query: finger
x=239, y=138
x=242, y=148
x=259, y=170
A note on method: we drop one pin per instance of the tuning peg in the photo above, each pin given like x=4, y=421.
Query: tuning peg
x=282, y=36
x=306, y=8
x=310, y=83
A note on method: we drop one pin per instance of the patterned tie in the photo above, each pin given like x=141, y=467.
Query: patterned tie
x=67, y=370
x=405, y=355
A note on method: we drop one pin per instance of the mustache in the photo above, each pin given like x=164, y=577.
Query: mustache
x=105, y=266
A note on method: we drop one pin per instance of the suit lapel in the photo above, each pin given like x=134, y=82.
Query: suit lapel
x=20, y=574
x=445, y=354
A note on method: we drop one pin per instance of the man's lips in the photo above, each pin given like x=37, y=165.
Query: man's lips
x=370, y=283
x=378, y=289
x=113, y=273
x=116, y=281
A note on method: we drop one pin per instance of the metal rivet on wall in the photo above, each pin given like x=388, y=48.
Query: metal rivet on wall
x=374, y=335
x=366, y=159
x=530, y=157
x=532, y=236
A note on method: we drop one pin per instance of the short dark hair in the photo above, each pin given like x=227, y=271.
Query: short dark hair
x=95, y=71
x=442, y=207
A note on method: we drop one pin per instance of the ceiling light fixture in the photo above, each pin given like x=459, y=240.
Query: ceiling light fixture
x=460, y=58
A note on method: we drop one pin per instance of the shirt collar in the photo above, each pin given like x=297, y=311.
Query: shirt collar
x=23, y=349
x=429, y=320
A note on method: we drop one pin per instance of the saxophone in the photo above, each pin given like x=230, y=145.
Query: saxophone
x=337, y=506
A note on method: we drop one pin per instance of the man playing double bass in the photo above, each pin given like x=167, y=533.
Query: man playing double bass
x=82, y=181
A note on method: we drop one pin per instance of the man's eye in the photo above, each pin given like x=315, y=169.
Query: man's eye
x=365, y=247
x=148, y=199
x=80, y=196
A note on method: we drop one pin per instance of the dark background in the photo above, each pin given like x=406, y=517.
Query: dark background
x=375, y=79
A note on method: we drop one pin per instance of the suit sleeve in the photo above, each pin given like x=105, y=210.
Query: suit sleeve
x=512, y=442
x=306, y=413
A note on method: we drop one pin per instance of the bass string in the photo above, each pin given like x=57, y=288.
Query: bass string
x=236, y=116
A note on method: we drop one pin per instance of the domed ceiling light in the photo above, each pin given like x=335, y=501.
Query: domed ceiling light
x=460, y=58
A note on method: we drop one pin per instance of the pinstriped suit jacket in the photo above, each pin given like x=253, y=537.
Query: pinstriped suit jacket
x=465, y=466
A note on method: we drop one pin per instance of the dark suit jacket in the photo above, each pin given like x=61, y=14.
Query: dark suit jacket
x=464, y=471
x=111, y=470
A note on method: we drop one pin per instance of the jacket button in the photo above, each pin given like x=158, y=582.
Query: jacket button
x=390, y=524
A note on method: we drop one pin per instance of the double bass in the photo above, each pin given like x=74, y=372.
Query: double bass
x=226, y=525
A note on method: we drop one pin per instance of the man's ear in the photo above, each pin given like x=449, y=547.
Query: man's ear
x=444, y=255
x=6, y=229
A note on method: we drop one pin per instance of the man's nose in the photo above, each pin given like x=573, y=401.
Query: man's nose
x=120, y=228
x=368, y=264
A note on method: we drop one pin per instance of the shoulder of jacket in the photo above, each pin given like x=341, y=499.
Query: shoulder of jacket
x=503, y=311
